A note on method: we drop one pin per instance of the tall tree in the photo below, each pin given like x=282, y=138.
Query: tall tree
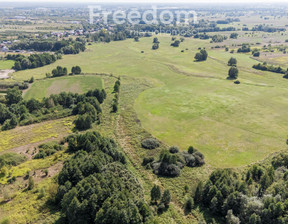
x=166, y=198
x=233, y=72
x=13, y=96
x=232, y=61
x=155, y=193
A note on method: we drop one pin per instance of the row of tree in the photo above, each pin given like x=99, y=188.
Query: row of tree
x=69, y=46
x=62, y=71
x=116, y=91
x=156, y=43
x=18, y=111
x=271, y=68
x=33, y=61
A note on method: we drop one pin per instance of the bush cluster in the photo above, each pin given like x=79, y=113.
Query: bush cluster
x=150, y=143
x=171, y=162
x=18, y=111
x=47, y=149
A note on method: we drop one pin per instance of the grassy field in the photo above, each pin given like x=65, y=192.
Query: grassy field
x=35, y=133
x=6, y=64
x=75, y=84
x=192, y=103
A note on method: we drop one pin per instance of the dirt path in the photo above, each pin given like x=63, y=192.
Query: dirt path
x=124, y=141
x=5, y=74
x=198, y=75
x=39, y=175
x=28, y=149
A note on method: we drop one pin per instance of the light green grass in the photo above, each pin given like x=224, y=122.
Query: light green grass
x=192, y=102
x=75, y=84
x=34, y=133
x=6, y=64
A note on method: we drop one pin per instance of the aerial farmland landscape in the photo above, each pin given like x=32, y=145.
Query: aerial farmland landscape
x=137, y=112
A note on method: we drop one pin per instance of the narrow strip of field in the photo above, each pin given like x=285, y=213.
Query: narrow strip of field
x=6, y=64
x=22, y=136
x=75, y=84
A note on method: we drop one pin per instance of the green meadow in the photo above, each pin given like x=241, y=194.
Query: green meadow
x=75, y=84
x=191, y=103
x=6, y=64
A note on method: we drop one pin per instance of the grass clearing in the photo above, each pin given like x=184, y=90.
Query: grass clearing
x=34, y=133
x=27, y=207
x=75, y=84
x=6, y=64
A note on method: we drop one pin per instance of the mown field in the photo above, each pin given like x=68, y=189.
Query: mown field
x=75, y=84
x=192, y=103
x=6, y=64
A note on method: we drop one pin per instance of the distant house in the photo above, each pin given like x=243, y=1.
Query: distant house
x=4, y=49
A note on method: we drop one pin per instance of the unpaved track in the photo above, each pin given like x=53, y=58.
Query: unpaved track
x=5, y=74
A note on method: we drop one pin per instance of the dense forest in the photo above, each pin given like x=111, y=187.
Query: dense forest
x=257, y=196
x=95, y=185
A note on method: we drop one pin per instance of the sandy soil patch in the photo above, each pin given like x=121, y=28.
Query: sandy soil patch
x=5, y=74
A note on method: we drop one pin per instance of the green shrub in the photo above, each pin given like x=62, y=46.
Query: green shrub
x=30, y=183
x=47, y=149
x=173, y=149
x=147, y=160
x=150, y=143
x=5, y=221
x=189, y=204
x=12, y=159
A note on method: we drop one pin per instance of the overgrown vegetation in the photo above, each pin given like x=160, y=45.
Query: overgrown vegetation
x=18, y=111
x=270, y=68
x=171, y=162
x=116, y=91
x=258, y=195
x=95, y=186
x=11, y=159
x=47, y=149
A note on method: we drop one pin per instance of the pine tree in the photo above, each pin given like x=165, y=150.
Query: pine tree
x=189, y=204
x=155, y=193
x=166, y=198
x=198, y=193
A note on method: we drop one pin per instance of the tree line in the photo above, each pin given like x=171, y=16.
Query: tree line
x=271, y=68
x=16, y=111
x=63, y=71
x=116, y=91
x=32, y=61
x=69, y=46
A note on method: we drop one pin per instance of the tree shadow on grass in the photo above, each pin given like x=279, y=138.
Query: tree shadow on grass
x=208, y=217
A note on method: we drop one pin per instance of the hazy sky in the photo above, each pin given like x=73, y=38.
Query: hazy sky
x=156, y=1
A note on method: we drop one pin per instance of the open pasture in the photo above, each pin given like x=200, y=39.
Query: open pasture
x=75, y=84
x=192, y=103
